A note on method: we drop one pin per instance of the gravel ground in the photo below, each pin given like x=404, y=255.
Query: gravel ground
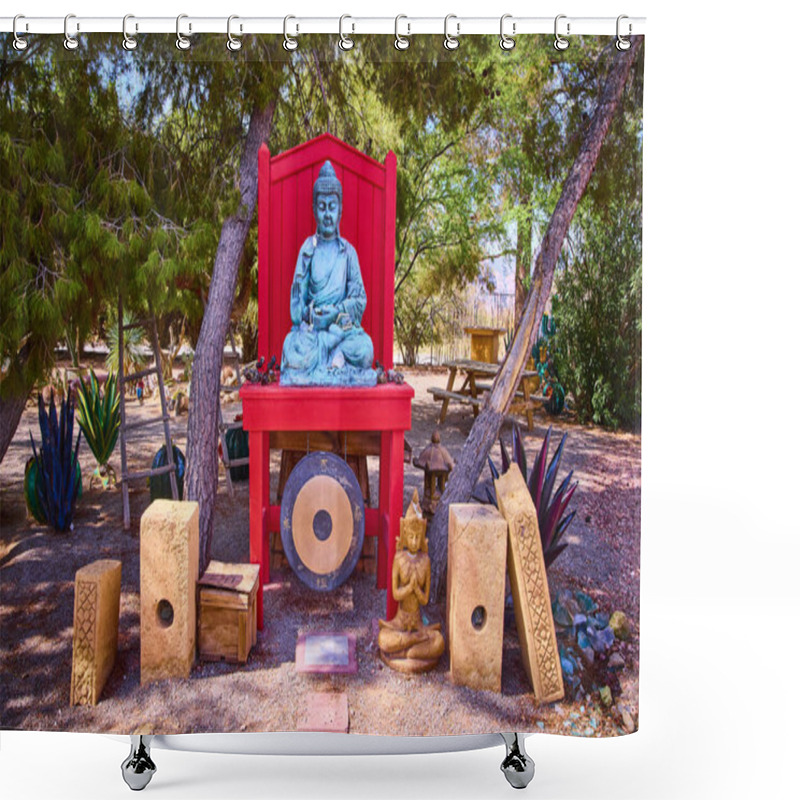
x=37, y=569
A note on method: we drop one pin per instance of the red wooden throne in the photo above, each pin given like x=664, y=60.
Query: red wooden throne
x=372, y=419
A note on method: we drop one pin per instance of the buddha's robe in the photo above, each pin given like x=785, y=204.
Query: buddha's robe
x=330, y=349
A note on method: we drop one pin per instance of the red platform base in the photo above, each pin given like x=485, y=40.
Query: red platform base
x=274, y=408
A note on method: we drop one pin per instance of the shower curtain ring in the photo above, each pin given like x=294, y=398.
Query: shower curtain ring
x=289, y=43
x=623, y=42
x=451, y=42
x=128, y=42
x=70, y=42
x=234, y=42
x=19, y=43
x=507, y=42
x=560, y=43
x=401, y=42
x=182, y=42
x=345, y=42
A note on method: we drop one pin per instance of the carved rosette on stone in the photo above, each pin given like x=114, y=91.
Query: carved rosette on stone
x=529, y=587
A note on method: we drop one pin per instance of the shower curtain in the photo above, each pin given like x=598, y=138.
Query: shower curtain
x=482, y=190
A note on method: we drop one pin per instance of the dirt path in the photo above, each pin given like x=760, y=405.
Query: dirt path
x=37, y=569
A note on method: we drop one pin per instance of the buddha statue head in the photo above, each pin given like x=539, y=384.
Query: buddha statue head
x=327, y=202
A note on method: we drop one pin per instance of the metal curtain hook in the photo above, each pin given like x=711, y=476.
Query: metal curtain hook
x=401, y=42
x=289, y=43
x=507, y=42
x=234, y=42
x=451, y=42
x=128, y=42
x=19, y=43
x=70, y=42
x=560, y=43
x=345, y=42
x=623, y=42
x=182, y=42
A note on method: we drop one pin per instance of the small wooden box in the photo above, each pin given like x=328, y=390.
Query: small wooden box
x=485, y=344
x=227, y=626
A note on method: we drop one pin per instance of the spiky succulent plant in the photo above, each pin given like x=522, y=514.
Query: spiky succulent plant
x=550, y=504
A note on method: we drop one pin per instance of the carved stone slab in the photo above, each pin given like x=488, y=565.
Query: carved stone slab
x=170, y=562
x=476, y=580
x=532, y=609
x=95, y=629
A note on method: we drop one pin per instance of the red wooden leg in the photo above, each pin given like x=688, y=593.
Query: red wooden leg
x=383, y=512
x=395, y=510
x=258, y=503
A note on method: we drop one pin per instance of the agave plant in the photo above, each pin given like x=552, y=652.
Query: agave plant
x=550, y=505
x=99, y=418
x=58, y=482
x=133, y=355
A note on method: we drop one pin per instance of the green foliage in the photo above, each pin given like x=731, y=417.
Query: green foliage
x=99, y=416
x=133, y=356
x=598, y=303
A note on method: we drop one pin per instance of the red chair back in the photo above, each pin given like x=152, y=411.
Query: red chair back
x=286, y=219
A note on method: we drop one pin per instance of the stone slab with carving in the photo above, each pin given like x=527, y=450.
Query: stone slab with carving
x=529, y=588
x=95, y=629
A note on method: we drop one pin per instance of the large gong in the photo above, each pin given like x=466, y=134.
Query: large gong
x=322, y=521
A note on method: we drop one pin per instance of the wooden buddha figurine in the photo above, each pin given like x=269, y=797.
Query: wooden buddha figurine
x=405, y=644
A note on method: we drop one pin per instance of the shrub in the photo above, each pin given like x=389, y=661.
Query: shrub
x=99, y=416
x=598, y=303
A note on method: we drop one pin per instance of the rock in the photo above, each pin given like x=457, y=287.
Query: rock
x=620, y=625
x=616, y=661
x=606, y=697
x=627, y=722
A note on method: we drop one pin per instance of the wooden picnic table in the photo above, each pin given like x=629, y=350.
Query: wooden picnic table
x=475, y=384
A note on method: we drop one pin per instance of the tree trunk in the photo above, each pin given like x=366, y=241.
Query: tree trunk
x=12, y=405
x=487, y=424
x=11, y=409
x=202, y=432
x=524, y=237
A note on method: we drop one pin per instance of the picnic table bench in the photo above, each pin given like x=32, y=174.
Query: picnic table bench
x=472, y=388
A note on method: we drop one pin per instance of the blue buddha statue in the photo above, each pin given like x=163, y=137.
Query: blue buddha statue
x=327, y=345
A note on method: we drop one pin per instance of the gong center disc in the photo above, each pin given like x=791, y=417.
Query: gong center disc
x=322, y=524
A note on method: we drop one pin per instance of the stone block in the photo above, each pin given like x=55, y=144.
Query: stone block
x=95, y=629
x=170, y=561
x=476, y=579
x=532, y=609
x=327, y=712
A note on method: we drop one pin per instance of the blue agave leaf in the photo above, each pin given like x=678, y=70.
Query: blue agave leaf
x=505, y=461
x=563, y=525
x=553, y=553
x=518, y=450
x=550, y=477
x=536, y=478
